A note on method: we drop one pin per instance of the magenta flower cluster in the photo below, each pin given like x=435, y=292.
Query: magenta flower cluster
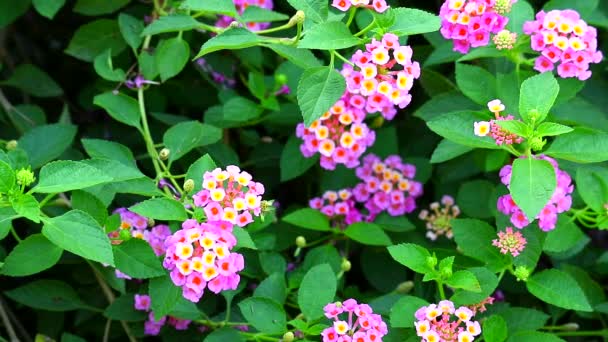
x=353, y=322
x=442, y=322
x=565, y=40
x=377, y=5
x=151, y=326
x=337, y=205
x=241, y=5
x=230, y=195
x=379, y=80
x=560, y=201
x=470, y=23
x=200, y=256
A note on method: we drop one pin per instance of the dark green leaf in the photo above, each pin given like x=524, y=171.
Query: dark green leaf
x=164, y=295
x=171, y=57
x=264, y=314
x=121, y=107
x=105, y=69
x=136, y=258
x=412, y=256
x=494, y=329
x=558, y=288
x=34, y=81
x=476, y=83
x=51, y=295
x=318, y=90
x=583, y=145
x=328, y=36
x=123, y=309
x=171, y=23
x=293, y=164
x=161, y=209
x=308, y=218
x=130, y=28
x=21, y=261
x=98, y=7
x=402, y=313
x=367, y=234
x=93, y=38
x=45, y=143
x=318, y=288
x=410, y=21
x=233, y=39
x=475, y=237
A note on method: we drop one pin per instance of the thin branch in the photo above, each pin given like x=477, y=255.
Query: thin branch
x=7, y=323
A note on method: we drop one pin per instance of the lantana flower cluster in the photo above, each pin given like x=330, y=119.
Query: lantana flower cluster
x=241, y=6
x=230, y=195
x=443, y=323
x=200, y=256
x=377, y=5
x=565, y=40
x=510, y=242
x=337, y=205
x=470, y=23
x=499, y=134
x=151, y=326
x=560, y=201
x=353, y=322
x=439, y=217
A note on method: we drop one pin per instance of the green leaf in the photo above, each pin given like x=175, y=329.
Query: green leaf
x=232, y=39
x=123, y=309
x=448, y=150
x=402, y=312
x=104, y=67
x=67, y=175
x=565, y=236
x=171, y=57
x=315, y=10
x=98, y=148
x=318, y=288
x=239, y=109
x=116, y=170
x=367, y=234
x=255, y=14
x=465, y=280
x=397, y=224
x=534, y=336
x=45, y=143
x=300, y=57
x=475, y=198
x=91, y=205
x=225, y=7
x=521, y=12
x=77, y=232
x=11, y=10
x=494, y=329
x=548, y=129
x=412, y=256
x=585, y=7
x=136, y=258
x=519, y=319
x=27, y=206
x=476, y=83
x=147, y=64
x=293, y=164
x=264, y=314
x=583, y=145
x=529, y=99
x=171, y=23
x=198, y=169
x=533, y=182
x=164, y=295
x=7, y=177
x=121, y=107
x=34, y=81
x=445, y=103
x=26, y=116
x=488, y=283
x=99, y=7
x=410, y=21
x=20, y=261
x=51, y=295
x=243, y=239
x=318, y=90
x=308, y=218
x=328, y=36
x=272, y=287
x=514, y=126
x=185, y=136
x=558, y=288
x=458, y=128
x=474, y=237
x=224, y=334
x=93, y=38
x=161, y=209
x=130, y=28
x=592, y=185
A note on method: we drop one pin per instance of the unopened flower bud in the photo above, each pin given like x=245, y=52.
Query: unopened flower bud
x=571, y=326
x=431, y=261
x=534, y=114
x=503, y=6
x=378, y=122
x=11, y=145
x=151, y=222
x=301, y=242
x=280, y=79
x=446, y=273
x=164, y=154
x=346, y=265
x=297, y=18
x=505, y=39
x=405, y=287
x=522, y=273
x=188, y=185
x=338, y=304
x=288, y=337
x=124, y=234
x=25, y=177
x=537, y=143
x=267, y=206
x=234, y=24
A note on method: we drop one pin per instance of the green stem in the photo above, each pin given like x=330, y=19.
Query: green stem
x=146, y=132
x=342, y=58
x=15, y=235
x=46, y=199
x=367, y=28
x=351, y=15
x=441, y=291
x=210, y=28
x=298, y=34
x=276, y=29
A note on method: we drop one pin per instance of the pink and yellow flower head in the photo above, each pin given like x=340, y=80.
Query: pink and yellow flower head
x=199, y=256
x=564, y=40
x=230, y=195
x=387, y=185
x=491, y=128
x=442, y=322
x=510, y=242
x=338, y=206
x=560, y=201
x=379, y=6
x=353, y=322
x=470, y=23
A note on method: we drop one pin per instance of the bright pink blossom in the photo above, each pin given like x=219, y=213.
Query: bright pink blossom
x=353, y=322
x=152, y=326
x=442, y=322
x=376, y=5
x=338, y=206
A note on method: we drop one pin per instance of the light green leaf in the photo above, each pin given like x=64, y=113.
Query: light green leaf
x=272, y=287
x=185, y=136
x=104, y=68
x=232, y=39
x=530, y=101
x=514, y=126
x=412, y=256
x=34, y=81
x=583, y=145
x=224, y=334
x=474, y=237
x=592, y=185
x=98, y=148
x=448, y=150
x=476, y=83
x=171, y=23
x=99, y=7
x=318, y=90
x=20, y=261
x=171, y=57
x=315, y=10
x=367, y=234
x=67, y=175
x=93, y=38
x=410, y=21
x=521, y=12
x=164, y=295
x=558, y=288
x=465, y=280
x=458, y=127
x=533, y=182
x=243, y=239
x=51, y=295
x=198, y=169
x=566, y=235
x=130, y=28
x=121, y=107
x=161, y=209
x=548, y=129
x=79, y=233
x=308, y=218
x=494, y=329
x=27, y=206
x=488, y=283
x=293, y=164
x=318, y=288
x=136, y=258
x=225, y=7
x=255, y=14
x=331, y=35
x=7, y=177
x=264, y=314
x=402, y=312
x=300, y=57
x=45, y=143
x=91, y=205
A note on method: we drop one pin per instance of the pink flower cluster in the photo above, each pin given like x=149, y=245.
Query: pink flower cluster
x=230, y=195
x=367, y=326
x=499, y=134
x=470, y=23
x=510, y=242
x=337, y=205
x=560, y=202
x=241, y=6
x=199, y=256
x=377, y=5
x=435, y=323
x=387, y=185
x=563, y=38
x=340, y=135
x=151, y=326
